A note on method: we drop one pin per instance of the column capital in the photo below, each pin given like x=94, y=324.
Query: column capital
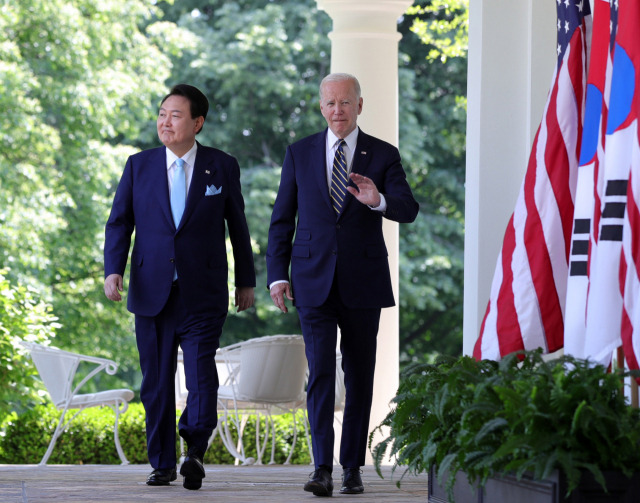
x=364, y=16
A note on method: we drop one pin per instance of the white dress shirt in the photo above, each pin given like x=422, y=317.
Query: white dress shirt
x=349, y=150
x=189, y=160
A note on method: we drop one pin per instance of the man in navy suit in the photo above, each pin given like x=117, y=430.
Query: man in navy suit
x=177, y=198
x=339, y=268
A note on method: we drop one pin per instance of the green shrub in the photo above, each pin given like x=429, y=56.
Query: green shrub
x=89, y=438
x=517, y=415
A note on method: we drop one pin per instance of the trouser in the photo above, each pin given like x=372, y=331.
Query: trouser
x=158, y=338
x=358, y=334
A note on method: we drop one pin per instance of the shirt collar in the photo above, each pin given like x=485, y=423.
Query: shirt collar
x=188, y=158
x=351, y=139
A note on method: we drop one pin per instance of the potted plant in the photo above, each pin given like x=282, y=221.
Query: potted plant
x=521, y=419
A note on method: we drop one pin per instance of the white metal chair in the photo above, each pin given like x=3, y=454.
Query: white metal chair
x=57, y=369
x=265, y=376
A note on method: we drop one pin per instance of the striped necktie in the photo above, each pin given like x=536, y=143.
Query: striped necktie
x=339, y=179
x=178, y=192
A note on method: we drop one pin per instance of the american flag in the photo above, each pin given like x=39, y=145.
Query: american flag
x=526, y=304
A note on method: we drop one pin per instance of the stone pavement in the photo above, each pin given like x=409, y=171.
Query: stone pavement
x=223, y=483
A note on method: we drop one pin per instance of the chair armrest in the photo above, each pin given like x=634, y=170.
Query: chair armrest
x=74, y=359
x=109, y=366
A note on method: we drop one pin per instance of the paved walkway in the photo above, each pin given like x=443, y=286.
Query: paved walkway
x=223, y=483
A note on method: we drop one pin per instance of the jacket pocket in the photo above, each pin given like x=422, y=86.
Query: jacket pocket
x=303, y=235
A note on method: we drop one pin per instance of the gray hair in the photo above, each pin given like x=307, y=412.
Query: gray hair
x=341, y=77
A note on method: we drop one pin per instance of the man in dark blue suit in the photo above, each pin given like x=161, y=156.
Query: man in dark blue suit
x=339, y=184
x=177, y=198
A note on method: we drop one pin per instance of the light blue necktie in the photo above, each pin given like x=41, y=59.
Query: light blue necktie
x=339, y=179
x=178, y=192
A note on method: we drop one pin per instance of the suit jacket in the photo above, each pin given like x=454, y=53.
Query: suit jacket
x=351, y=245
x=196, y=248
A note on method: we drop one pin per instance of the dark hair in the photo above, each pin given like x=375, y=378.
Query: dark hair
x=198, y=102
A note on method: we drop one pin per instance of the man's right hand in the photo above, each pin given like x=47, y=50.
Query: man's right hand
x=278, y=292
x=113, y=286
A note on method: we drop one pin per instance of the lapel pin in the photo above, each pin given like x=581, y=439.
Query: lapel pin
x=363, y=152
x=207, y=171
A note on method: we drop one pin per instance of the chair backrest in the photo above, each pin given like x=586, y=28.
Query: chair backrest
x=273, y=369
x=56, y=368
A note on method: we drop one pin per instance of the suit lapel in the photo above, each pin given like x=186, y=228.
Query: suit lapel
x=361, y=159
x=160, y=183
x=318, y=156
x=362, y=155
x=203, y=169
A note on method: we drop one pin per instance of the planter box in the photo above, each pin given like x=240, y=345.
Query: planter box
x=508, y=489
x=463, y=492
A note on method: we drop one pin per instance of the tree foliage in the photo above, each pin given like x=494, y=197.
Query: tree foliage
x=270, y=58
x=85, y=80
x=260, y=63
x=82, y=75
x=432, y=144
x=443, y=25
x=23, y=315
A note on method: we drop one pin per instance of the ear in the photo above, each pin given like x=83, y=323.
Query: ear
x=199, y=123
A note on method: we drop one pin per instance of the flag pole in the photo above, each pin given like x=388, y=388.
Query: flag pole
x=620, y=357
x=635, y=401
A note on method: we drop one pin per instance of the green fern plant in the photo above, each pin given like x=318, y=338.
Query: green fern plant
x=522, y=414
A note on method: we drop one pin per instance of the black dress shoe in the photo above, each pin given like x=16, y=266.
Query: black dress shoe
x=192, y=470
x=162, y=477
x=351, y=481
x=320, y=482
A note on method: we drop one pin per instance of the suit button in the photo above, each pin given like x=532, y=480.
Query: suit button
x=334, y=252
x=338, y=226
x=172, y=260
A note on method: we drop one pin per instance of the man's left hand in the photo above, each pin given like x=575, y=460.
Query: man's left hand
x=244, y=297
x=367, y=192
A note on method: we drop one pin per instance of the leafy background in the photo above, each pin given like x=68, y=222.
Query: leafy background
x=81, y=82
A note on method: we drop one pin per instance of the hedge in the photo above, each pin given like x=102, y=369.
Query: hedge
x=89, y=438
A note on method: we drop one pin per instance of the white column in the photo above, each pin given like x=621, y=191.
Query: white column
x=511, y=59
x=364, y=42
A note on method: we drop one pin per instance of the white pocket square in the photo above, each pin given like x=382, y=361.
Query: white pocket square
x=212, y=190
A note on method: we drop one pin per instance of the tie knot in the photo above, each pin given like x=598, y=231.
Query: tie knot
x=341, y=143
x=180, y=162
